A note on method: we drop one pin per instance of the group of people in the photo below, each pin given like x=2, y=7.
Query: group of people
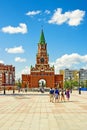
x=57, y=95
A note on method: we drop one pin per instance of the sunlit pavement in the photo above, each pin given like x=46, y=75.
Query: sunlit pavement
x=34, y=112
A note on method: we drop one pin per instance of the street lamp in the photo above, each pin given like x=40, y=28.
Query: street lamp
x=4, y=82
x=79, y=82
x=70, y=77
x=13, y=83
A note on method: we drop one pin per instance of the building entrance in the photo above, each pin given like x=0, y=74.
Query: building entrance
x=42, y=83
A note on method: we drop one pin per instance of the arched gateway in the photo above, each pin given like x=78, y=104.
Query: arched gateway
x=42, y=83
x=42, y=69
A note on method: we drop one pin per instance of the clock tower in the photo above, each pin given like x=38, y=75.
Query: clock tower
x=42, y=58
x=42, y=72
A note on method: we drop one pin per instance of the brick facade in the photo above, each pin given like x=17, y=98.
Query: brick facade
x=42, y=69
x=7, y=75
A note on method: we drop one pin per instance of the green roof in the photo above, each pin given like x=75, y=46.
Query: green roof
x=42, y=38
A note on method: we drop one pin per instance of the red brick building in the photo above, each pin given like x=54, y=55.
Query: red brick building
x=7, y=75
x=42, y=73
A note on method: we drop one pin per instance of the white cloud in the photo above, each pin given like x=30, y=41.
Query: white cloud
x=26, y=70
x=22, y=28
x=47, y=11
x=17, y=76
x=72, y=61
x=85, y=67
x=19, y=59
x=15, y=50
x=72, y=18
x=1, y=62
x=32, y=13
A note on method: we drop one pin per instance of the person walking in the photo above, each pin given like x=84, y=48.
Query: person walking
x=67, y=94
x=62, y=95
x=51, y=94
x=56, y=95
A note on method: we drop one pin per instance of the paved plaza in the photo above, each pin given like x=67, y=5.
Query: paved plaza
x=34, y=112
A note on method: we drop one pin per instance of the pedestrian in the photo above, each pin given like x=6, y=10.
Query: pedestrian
x=56, y=95
x=67, y=94
x=51, y=94
x=62, y=95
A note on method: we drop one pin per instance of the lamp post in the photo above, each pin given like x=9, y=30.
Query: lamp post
x=4, y=83
x=13, y=86
x=71, y=84
x=79, y=83
x=79, y=88
x=4, y=90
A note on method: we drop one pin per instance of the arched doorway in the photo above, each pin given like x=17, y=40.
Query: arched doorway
x=42, y=84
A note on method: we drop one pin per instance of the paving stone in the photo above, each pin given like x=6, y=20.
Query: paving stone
x=34, y=111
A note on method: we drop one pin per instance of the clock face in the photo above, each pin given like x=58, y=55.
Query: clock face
x=42, y=60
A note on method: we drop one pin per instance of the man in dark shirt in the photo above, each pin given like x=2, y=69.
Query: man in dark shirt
x=51, y=95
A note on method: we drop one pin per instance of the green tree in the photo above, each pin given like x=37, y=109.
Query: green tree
x=82, y=84
x=67, y=84
x=19, y=84
x=86, y=84
x=70, y=84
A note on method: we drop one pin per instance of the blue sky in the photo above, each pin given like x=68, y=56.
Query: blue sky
x=65, y=28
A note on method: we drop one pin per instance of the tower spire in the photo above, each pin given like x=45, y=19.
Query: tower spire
x=42, y=38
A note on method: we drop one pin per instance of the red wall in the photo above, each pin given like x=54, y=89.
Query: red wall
x=51, y=80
